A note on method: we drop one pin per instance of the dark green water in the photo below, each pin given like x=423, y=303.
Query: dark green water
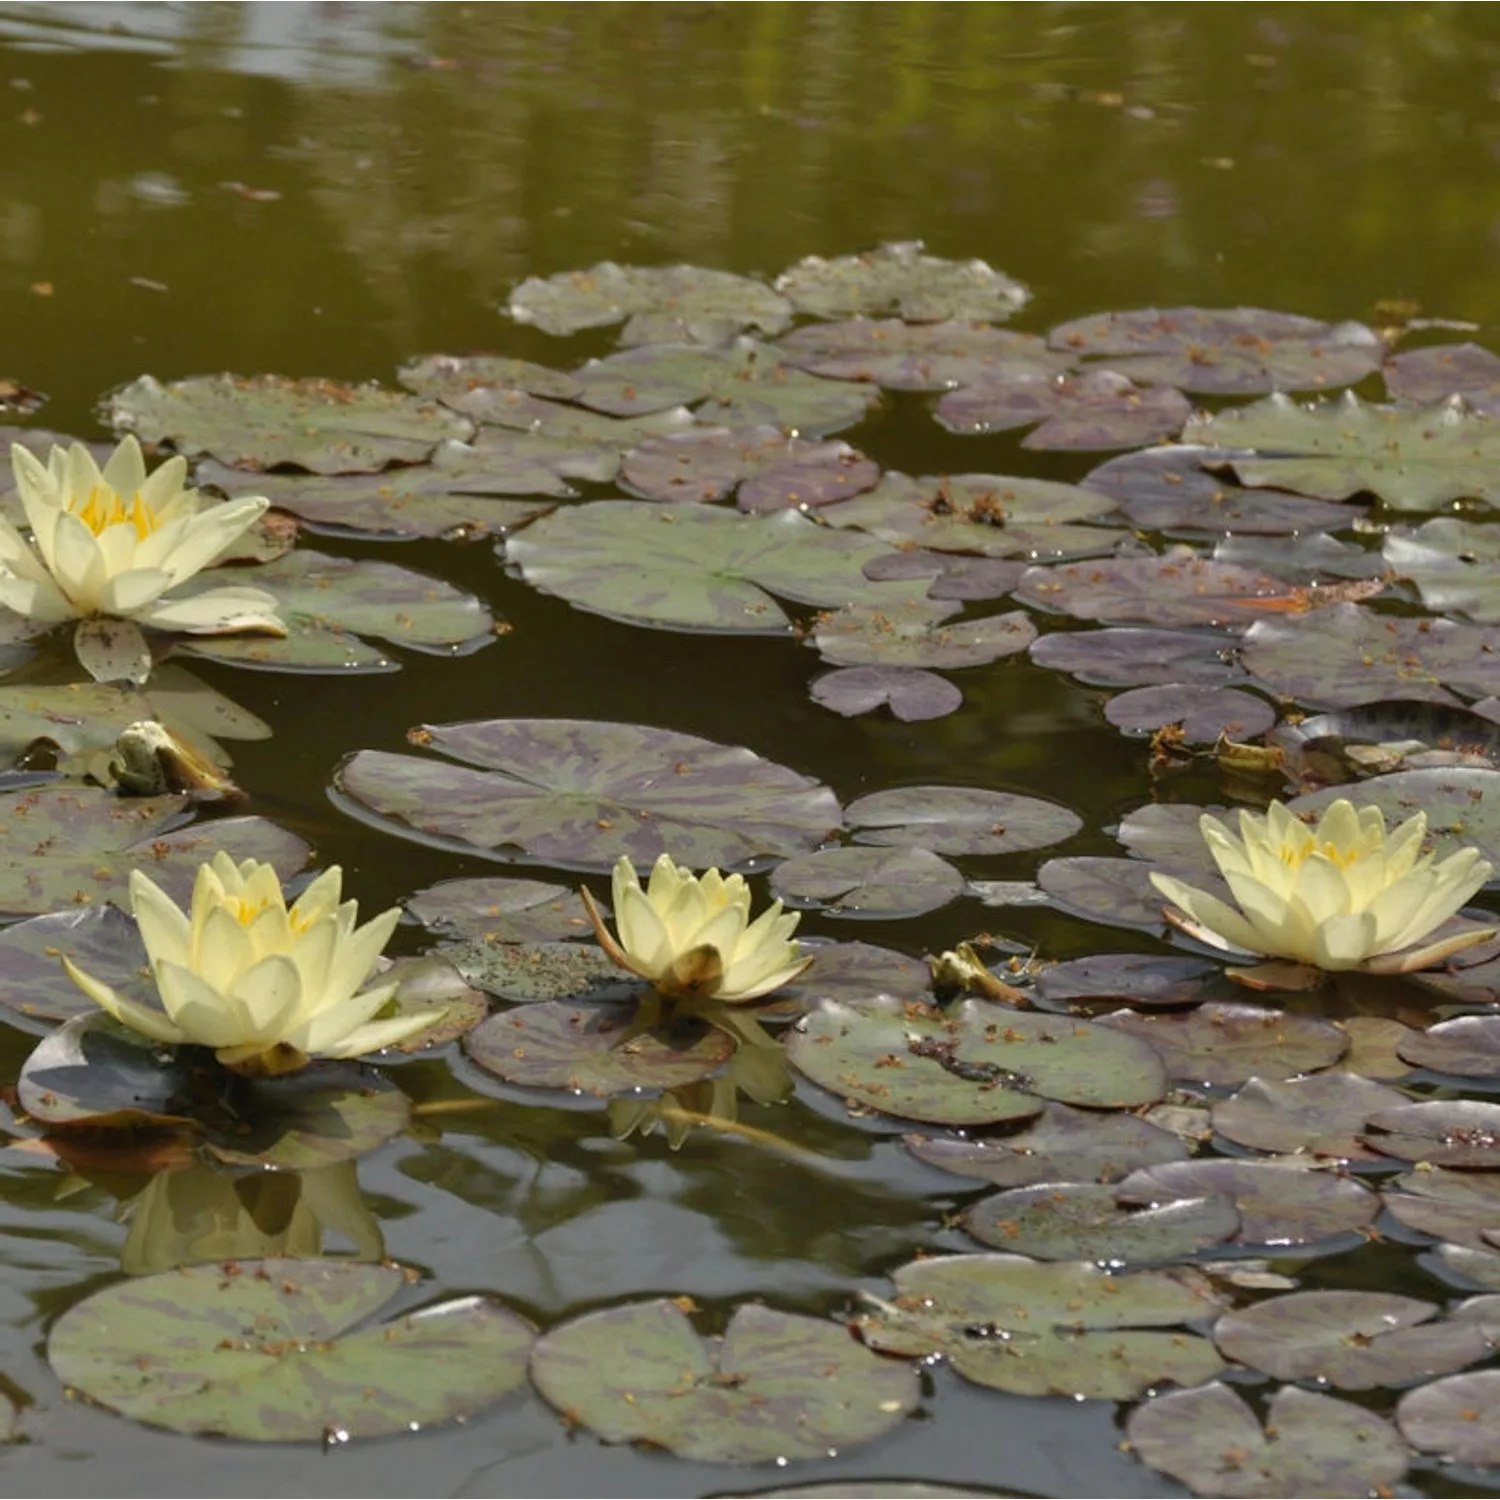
x=1317, y=158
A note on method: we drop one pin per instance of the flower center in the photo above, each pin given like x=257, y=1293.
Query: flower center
x=106, y=507
x=1294, y=859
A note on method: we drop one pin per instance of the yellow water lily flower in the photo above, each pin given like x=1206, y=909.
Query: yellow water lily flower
x=693, y=938
x=1341, y=894
x=265, y=987
x=116, y=542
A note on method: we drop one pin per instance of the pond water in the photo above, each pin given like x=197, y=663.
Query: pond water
x=333, y=190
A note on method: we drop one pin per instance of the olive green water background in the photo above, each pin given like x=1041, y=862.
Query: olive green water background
x=332, y=189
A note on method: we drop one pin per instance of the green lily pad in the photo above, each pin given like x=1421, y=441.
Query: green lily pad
x=100, y=939
x=1067, y=1329
x=1084, y=1221
x=1353, y=1340
x=590, y=439
x=775, y=1387
x=454, y=495
x=1413, y=458
x=1098, y=409
x=960, y=820
x=260, y=421
x=1440, y=1132
x=1210, y=1440
x=69, y=845
x=1321, y=1115
x=598, y=1050
x=1442, y=370
x=912, y=633
x=898, y=278
x=1140, y=979
x=1448, y=1418
x=1280, y=1203
x=500, y=910
x=693, y=568
x=1313, y=558
x=1462, y=1207
x=1062, y=1144
x=521, y=971
x=852, y=882
x=1225, y=351
x=912, y=694
x=1452, y=563
x=770, y=470
x=579, y=793
x=275, y=1351
x=1467, y=1046
x=1462, y=805
x=1127, y=657
x=441, y=376
x=1231, y=1042
x=902, y=356
x=703, y=302
x=989, y=515
x=1202, y=714
x=1103, y=889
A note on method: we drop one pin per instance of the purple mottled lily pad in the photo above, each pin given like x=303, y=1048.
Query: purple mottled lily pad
x=898, y=278
x=282, y=1352
x=501, y=910
x=1171, y=489
x=1461, y=1207
x=1117, y=891
x=260, y=421
x=1279, y=1203
x=1232, y=1042
x=1203, y=714
x=1440, y=1132
x=1137, y=978
x=1319, y=1115
x=1062, y=1144
x=776, y=1386
x=903, y=356
x=1169, y=834
x=1064, y=1329
x=852, y=972
x=960, y=820
x=1121, y=656
x=805, y=483
x=1099, y=409
x=442, y=376
x=912, y=633
x=711, y=463
x=1413, y=457
x=1442, y=370
x=1453, y=565
x=1210, y=1440
x=862, y=882
x=953, y=576
x=579, y=793
x=911, y=693
x=1468, y=1046
x=1450, y=1417
x=1084, y=1221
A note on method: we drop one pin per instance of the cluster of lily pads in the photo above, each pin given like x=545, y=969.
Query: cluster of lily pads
x=1163, y=1144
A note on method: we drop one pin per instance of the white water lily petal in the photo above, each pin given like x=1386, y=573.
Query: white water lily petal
x=151, y=1023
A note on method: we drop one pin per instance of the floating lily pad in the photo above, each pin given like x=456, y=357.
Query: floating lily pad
x=1069, y=1329
x=851, y=882
x=1225, y=351
x=92, y=1072
x=991, y=515
x=1117, y=891
x=775, y=1387
x=1137, y=978
x=1098, y=409
x=1169, y=834
x=1450, y=1418
x=953, y=576
x=692, y=568
x=1126, y=657
x=1279, y=1203
x=1202, y=714
x=100, y=939
x=260, y=421
x=501, y=910
x=1373, y=1044
x=1084, y=1221
x=1441, y=370
x=274, y=1351
x=430, y=984
x=1468, y=1046
x=960, y=820
x=1231, y=1042
x=598, y=1050
x=702, y=301
x=900, y=279
x=1320, y=1115
x=442, y=376
x=853, y=972
x=1462, y=1207
x=911, y=633
x=579, y=793
x=454, y=494
x=579, y=972
x=1452, y=563
x=904, y=356
x=1314, y=561
x=1178, y=588
x=771, y=470
x=1210, y=1440
x=1440, y=1132
x=912, y=693
x=1061, y=1145
x=1393, y=735
x=1172, y=489
x=1469, y=1266
x=1413, y=458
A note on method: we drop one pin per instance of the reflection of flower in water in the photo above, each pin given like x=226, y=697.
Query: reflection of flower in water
x=115, y=543
x=1339, y=895
x=184, y=1218
x=266, y=987
x=692, y=937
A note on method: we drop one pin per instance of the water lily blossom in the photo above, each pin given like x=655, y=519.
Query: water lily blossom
x=116, y=542
x=1341, y=894
x=692, y=936
x=266, y=987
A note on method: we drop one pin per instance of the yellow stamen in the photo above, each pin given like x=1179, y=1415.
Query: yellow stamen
x=106, y=507
x=1296, y=858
